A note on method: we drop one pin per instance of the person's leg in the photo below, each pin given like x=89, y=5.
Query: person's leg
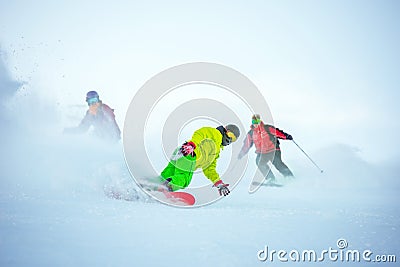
x=169, y=170
x=180, y=171
x=182, y=177
x=280, y=166
x=262, y=164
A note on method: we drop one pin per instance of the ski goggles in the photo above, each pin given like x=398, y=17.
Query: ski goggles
x=92, y=101
x=232, y=136
x=256, y=121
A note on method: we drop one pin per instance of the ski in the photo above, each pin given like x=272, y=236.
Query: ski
x=268, y=184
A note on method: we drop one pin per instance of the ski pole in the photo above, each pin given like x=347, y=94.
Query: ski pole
x=315, y=164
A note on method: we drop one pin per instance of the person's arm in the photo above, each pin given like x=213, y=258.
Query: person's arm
x=211, y=173
x=110, y=117
x=81, y=128
x=278, y=133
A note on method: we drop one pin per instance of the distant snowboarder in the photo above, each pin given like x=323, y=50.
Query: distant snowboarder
x=202, y=151
x=265, y=138
x=101, y=117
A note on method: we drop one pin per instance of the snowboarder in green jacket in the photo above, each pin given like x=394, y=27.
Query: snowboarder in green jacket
x=202, y=151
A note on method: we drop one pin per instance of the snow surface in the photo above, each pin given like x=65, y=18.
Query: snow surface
x=55, y=210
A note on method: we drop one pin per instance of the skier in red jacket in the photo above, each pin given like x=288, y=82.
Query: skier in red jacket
x=101, y=117
x=265, y=138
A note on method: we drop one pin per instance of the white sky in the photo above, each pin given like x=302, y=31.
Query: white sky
x=330, y=70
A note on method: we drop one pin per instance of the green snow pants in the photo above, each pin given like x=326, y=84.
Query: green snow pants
x=180, y=169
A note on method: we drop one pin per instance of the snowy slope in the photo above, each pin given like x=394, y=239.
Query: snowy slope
x=54, y=212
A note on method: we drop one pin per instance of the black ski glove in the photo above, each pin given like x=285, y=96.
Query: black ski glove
x=222, y=188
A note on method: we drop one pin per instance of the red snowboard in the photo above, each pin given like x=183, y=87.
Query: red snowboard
x=181, y=197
